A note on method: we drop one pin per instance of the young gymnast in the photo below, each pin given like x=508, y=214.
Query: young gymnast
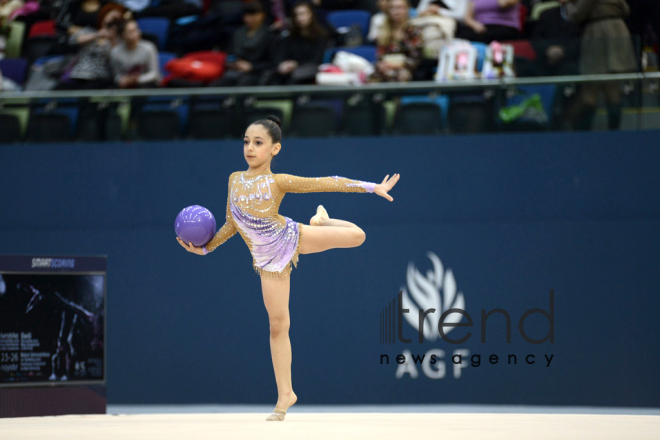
x=275, y=241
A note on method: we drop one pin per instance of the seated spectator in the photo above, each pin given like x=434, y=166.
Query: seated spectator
x=489, y=20
x=302, y=50
x=134, y=61
x=252, y=47
x=377, y=21
x=7, y=7
x=400, y=45
x=92, y=68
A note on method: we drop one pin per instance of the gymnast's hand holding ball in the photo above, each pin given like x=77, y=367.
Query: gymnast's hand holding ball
x=194, y=227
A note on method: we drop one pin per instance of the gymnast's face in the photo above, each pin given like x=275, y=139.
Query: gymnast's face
x=258, y=147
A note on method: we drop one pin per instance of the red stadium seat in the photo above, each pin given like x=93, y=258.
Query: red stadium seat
x=40, y=28
x=523, y=48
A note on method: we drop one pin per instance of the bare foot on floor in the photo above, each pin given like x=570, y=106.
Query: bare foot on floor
x=321, y=214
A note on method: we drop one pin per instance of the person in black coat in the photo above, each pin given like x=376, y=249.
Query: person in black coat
x=301, y=50
x=252, y=46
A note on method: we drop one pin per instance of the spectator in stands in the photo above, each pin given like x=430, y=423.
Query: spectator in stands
x=7, y=7
x=252, y=46
x=377, y=21
x=556, y=42
x=171, y=9
x=92, y=68
x=455, y=9
x=489, y=20
x=134, y=61
x=644, y=14
x=332, y=5
x=84, y=14
x=606, y=47
x=302, y=50
x=400, y=45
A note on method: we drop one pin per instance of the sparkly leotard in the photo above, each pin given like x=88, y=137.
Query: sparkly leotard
x=252, y=210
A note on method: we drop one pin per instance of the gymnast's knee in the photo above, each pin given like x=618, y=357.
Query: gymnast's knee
x=360, y=237
x=279, y=325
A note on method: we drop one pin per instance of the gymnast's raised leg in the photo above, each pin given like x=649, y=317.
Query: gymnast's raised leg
x=324, y=233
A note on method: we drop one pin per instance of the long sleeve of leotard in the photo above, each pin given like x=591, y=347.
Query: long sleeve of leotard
x=226, y=231
x=296, y=184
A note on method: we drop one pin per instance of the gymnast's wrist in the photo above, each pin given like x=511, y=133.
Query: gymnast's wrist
x=204, y=250
x=369, y=186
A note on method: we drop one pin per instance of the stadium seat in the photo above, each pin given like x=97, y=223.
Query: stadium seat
x=14, y=43
x=158, y=125
x=164, y=58
x=523, y=48
x=103, y=125
x=481, y=53
x=14, y=69
x=346, y=18
x=547, y=92
x=176, y=104
x=10, y=129
x=285, y=105
x=442, y=101
x=471, y=113
x=38, y=47
x=363, y=120
x=41, y=60
x=49, y=127
x=313, y=120
x=209, y=123
x=417, y=118
x=41, y=28
x=64, y=106
x=157, y=26
x=540, y=8
x=254, y=114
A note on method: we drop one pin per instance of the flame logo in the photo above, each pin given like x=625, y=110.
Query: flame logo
x=436, y=290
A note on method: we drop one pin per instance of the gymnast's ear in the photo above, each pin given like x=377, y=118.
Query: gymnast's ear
x=276, y=148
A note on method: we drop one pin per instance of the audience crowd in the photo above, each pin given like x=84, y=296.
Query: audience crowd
x=100, y=44
x=281, y=42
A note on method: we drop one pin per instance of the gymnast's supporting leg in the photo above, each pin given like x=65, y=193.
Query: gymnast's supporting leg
x=276, y=299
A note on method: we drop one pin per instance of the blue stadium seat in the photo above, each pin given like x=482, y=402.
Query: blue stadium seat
x=346, y=18
x=547, y=92
x=170, y=104
x=164, y=58
x=481, y=53
x=65, y=106
x=14, y=69
x=42, y=60
x=442, y=101
x=157, y=26
x=417, y=118
x=10, y=129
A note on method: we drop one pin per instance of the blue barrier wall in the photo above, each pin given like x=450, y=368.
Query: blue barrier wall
x=508, y=216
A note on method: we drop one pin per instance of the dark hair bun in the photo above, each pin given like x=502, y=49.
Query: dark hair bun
x=275, y=119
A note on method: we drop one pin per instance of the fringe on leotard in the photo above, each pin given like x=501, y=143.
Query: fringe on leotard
x=289, y=267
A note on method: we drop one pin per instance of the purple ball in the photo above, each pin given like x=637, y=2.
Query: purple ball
x=195, y=224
